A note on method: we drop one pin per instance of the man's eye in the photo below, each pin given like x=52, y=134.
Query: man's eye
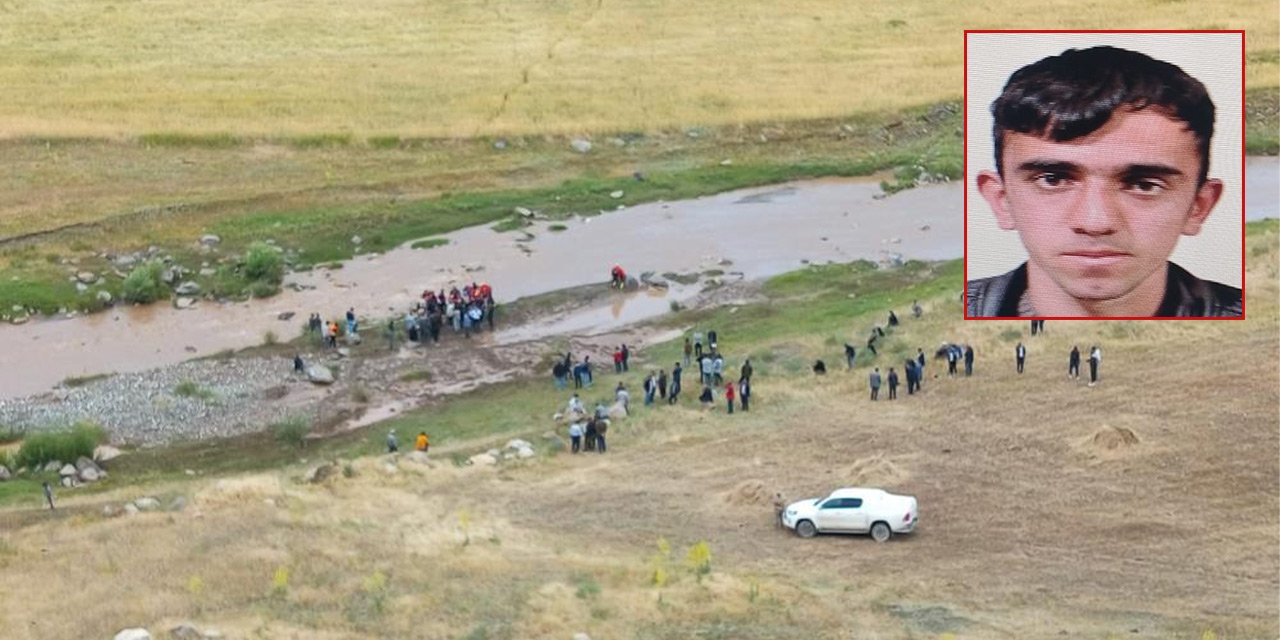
x=1146, y=186
x=1050, y=179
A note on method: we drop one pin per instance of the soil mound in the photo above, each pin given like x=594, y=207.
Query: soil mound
x=876, y=471
x=1111, y=438
x=749, y=493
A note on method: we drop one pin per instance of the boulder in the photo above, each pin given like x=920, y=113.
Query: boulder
x=518, y=444
x=52, y=466
x=90, y=474
x=616, y=194
x=87, y=277
x=184, y=302
x=111, y=511
x=67, y=470
x=482, y=460
x=209, y=240
x=285, y=315
x=186, y=631
x=4, y=473
x=319, y=473
x=146, y=504
x=68, y=481
x=580, y=145
x=344, y=352
x=106, y=453
x=177, y=504
x=208, y=271
x=352, y=339
x=169, y=276
x=137, y=633
x=188, y=288
x=104, y=297
x=525, y=453
x=319, y=374
x=130, y=509
x=524, y=212
x=83, y=463
x=581, y=636
x=356, y=240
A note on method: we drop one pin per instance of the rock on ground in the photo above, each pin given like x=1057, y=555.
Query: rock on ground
x=137, y=633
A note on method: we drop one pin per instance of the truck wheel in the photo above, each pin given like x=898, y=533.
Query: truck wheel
x=880, y=532
x=805, y=529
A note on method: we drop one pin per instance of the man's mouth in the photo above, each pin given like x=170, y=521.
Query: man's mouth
x=1096, y=257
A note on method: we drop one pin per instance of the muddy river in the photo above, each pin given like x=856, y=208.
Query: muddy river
x=759, y=232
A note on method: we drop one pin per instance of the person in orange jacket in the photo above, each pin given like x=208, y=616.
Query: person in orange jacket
x=422, y=443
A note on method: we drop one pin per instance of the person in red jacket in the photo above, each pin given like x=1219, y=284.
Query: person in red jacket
x=729, y=395
x=618, y=277
x=617, y=360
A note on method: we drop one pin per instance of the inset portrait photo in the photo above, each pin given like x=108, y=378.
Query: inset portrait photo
x=1104, y=175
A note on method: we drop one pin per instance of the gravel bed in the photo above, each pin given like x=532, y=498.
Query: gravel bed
x=144, y=408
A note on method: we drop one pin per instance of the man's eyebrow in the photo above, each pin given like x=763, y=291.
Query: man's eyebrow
x=1149, y=170
x=1051, y=166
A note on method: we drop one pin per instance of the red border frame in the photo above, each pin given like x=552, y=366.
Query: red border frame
x=1243, y=189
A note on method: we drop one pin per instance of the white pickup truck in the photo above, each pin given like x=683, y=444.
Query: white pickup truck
x=853, y=510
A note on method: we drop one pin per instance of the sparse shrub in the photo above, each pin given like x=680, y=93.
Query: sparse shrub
x=269, y=338
x=557, y=227
x=195, y=585
x=189, y=389
x=660, y=563
x=699, y=559
x=280, y=582
x=264, y=263
x=587, y=587
x=414, y=376
x=429, y=243
x=676, y=306
x=348, y=471
x=65, y=445
x=360, y=395
x=11, y=434
x=263, y=289
x=1010, y=334
x=897, y=23
x=292, y=431
x=384, y=142
x=144, y=283
x=370, y=601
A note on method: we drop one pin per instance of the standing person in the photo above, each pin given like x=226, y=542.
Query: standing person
x=1041, y=326
x=662, y=384
x=952, y=358
x=704, y=366
x=626, y=357
x=850, y=353
x=893, y=384
x=875, y=384
x=1095, y=361
x=676, y=372
x=711, y=340
x=920, y=367
x=391, y=334
x=744, y=391
x=298, y=365
x=575, y=436
x=589, y=436
x=893, y=318
x=1073, y=363
x=706, y=398
x=577, y=376
x=617, y=360
x=688, y=351
x=559, y=374
x=910, y=368
x=650, y=388
x=717, y=368
x=602, y=427
x=393, y=445
x=490, y=307
x=697, y=346
x=747, y=370
x=1034, y=327
x=48, y=494
x=422, y=442
x=729, y=395
x=575, y=405
x=586, y=371
x=968, y=360
x=351, y=320
x=623, y=397
x=1020, y=353
x=915, y=308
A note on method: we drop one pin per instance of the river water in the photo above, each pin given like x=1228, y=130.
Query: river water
x=760, y=232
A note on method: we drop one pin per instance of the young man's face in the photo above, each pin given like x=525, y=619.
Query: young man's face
x=1100, y=215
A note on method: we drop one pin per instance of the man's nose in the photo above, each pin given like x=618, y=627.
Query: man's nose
x=1096, y=213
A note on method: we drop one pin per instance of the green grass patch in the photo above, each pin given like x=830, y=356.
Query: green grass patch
x=189, y=389
x=64, y=445
x=191, y=140
x=320, y=140
x=429, y=243
x=421, y=375
x=1262, y=120
x=292, y=431
x=80, y=381
x=557, y=227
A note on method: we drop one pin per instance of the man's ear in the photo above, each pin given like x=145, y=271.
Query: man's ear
x=1206, y=197
x=991, y=186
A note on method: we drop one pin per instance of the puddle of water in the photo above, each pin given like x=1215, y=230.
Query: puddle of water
x=762, y=231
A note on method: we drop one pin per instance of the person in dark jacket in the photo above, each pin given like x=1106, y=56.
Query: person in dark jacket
x=676, y=372
x=893, y=384
x=744, y=392
x=1073, y=363
x=746, y=369
x=875, y=384
x=850, y=353
x=1020, y=354
x=968, y=360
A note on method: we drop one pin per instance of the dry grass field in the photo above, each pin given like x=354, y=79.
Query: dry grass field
x=1039, y=518
x=131, y=67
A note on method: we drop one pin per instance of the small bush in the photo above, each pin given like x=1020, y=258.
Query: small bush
x=557, y=227
x=189, y=389
x=264, y=263
x=261, y=289
x=292, y=431
x=360, y=395
x=1010, y=334
x=64, y=445
x=587, y=587
x=269, y=338
x=144, y=283
x=384, y=142
x=414, y=376
x=429, y=243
